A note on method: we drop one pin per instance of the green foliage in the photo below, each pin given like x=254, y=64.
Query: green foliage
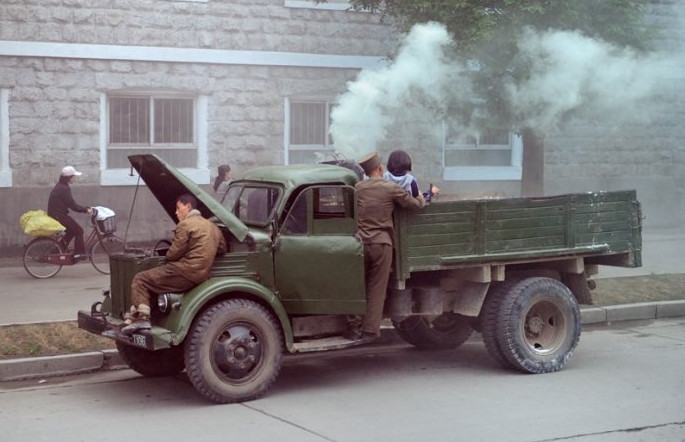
x=487, y=31
x=474, y=23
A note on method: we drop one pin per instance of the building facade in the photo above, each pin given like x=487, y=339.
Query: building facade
x=207, y=82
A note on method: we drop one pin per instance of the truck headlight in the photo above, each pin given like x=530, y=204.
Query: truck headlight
x=167, y=301
x=163, y=302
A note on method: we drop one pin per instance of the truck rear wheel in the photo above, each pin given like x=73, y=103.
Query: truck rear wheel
x=579, y=286
x=538, y=325
x=489, y=323
x=233, y=351
x=447, y=331
x=166, y=362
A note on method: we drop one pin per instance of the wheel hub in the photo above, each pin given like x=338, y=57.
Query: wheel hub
x=544, y=328
x=535, y=325
x=237, y=352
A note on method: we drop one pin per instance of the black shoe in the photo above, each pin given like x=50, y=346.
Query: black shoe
x=135, y=327
x=352, y=334
x=80, y=257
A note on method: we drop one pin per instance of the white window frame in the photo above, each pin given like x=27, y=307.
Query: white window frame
x=333, y=5
x=5, y=171
x=328, y=146
x=511, y=172
x=193, y=1
x=122, y=177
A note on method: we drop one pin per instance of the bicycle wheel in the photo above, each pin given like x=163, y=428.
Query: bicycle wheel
x=42, y=257
x=101, y=250
x=160, y=248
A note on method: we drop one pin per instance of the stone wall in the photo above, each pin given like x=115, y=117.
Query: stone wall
x=264, y=25
x=55, y=113
x=54, y=103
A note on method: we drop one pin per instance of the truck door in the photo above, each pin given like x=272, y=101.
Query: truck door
x=319, y=263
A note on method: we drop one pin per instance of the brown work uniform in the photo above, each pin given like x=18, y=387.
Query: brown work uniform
x=376, y=199
x=196, y=243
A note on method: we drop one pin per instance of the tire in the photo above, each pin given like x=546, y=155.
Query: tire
x=166, y=362
x=101, y=251
x=489, y=323
x=539, y=325
x=35, y=257
x=234, y=351
x=448, y=331
x=579, y=286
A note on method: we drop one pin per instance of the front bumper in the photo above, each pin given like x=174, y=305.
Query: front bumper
x=104, y=325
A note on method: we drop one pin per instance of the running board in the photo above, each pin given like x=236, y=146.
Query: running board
x=325, y=344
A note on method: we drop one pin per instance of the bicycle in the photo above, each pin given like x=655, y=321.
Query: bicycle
x=45, y=256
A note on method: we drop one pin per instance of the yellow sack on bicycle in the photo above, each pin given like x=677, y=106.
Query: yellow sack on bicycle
x=38, y=223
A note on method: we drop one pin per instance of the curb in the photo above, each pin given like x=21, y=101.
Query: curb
x=631, y=312
x=63, y=365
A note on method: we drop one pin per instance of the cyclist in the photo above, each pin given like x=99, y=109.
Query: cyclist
x=59, y=203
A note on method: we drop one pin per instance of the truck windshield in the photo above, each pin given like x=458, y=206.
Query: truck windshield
x=253, y=205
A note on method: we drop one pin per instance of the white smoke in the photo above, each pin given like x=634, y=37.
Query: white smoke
x=377, y=98
x=569, y=72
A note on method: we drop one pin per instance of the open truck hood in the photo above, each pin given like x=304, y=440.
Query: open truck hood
x=166, y=183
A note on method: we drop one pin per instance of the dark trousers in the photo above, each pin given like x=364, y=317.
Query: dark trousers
x=162, y=279
x=377, y=265
x=74, y=230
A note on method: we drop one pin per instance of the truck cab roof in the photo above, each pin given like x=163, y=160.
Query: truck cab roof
x=294, y=176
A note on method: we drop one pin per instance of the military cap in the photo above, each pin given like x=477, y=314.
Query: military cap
x=370, y=162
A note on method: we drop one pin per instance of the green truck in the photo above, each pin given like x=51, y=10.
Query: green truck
x=515, y=270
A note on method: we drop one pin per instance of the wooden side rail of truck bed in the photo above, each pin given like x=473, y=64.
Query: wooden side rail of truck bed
x=601, y=227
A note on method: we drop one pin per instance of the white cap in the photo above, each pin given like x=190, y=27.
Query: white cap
x=70, y=171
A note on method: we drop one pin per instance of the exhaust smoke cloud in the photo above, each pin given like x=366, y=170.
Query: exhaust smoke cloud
x=569, y=72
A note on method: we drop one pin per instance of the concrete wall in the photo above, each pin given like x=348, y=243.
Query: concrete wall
x=58, y=58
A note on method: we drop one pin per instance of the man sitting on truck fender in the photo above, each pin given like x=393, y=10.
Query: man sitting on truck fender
x=197, y=241
x=376, y=200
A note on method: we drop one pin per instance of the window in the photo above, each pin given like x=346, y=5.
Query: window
x=5, y=172
x=333, y=202
x=172, y=126
x=332, y=212
x=307, y=137
x=492, y=154
x=252, y=205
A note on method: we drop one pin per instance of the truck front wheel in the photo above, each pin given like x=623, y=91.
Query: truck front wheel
x=538, y=325
x=447, y=331
x=166, y=362
x=233, y=351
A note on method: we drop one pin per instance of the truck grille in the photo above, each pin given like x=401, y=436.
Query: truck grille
x=123, y=269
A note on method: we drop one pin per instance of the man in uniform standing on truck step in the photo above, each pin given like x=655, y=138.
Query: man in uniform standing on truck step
x=376, y=200
x=197, y=241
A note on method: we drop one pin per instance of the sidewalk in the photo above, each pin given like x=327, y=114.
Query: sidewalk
x=24, y=299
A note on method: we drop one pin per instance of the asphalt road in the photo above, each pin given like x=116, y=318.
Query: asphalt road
x=623, y=384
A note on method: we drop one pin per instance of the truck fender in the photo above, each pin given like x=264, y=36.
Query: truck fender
x=180, y=319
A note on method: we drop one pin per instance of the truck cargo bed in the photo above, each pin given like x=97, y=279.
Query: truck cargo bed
x=604, y=226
